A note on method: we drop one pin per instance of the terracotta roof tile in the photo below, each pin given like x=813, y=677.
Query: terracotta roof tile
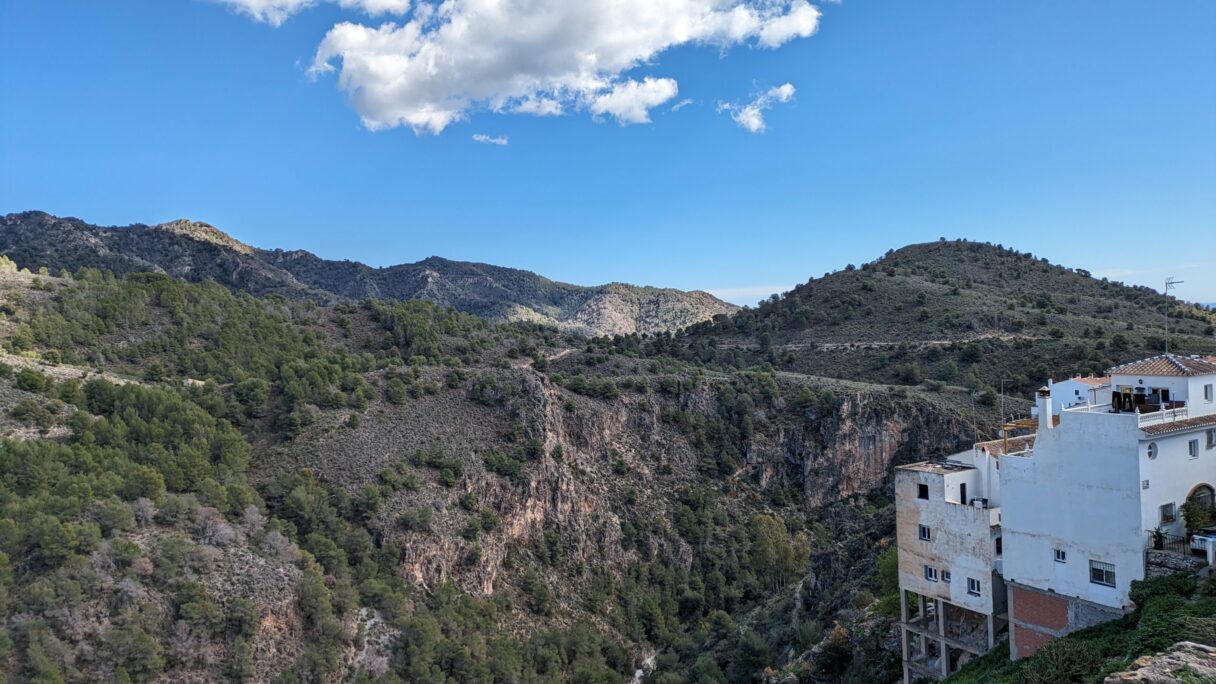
x=1167, y=364
x=1093, y=382
x=1179, y=425
x=996, y=447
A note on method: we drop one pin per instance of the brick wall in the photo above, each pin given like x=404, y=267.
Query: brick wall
x=1028, y=640
x=1040, y=610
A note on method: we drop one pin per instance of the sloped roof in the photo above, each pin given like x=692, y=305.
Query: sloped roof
x=1167, y=364
x=996, y=447
x=1093, y=382
x=1179, y=425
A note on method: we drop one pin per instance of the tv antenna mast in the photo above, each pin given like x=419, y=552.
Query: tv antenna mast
x=1171, y=283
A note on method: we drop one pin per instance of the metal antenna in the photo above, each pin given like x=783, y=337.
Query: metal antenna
x=1171, y=283
x=1002, y=400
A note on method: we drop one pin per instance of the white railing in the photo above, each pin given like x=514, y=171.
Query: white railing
x=1163, y=416
x=1089, y=408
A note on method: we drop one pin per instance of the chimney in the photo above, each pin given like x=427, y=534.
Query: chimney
x=1043, y=403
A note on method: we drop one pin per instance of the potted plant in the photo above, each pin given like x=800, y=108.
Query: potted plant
x=1158, y=538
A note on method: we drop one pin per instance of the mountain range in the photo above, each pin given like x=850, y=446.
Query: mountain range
x=197, y=251
x=303, y=476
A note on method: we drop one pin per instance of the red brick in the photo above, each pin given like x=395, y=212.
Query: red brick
x=1043, y=610
x=1028, y=641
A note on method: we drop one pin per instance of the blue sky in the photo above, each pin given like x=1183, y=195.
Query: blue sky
x=1081, y=131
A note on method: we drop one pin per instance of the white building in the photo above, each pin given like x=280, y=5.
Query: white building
x=1043, y=534
x=1082, y=505
x=1077, y=391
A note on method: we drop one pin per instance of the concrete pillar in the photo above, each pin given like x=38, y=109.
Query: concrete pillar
x=903, y=637
x=924, y=612
x=944, y=661
x=903, y=634
x=940, y=607
x=1009, y=608
x=991, y=631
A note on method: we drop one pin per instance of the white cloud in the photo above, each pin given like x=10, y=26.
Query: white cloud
x=489, y=140
x=275, y=12
x=751, y=115
x=540, y=57
x=800, y=22
x=681, y=104
x=630, y=102
x=539, y=106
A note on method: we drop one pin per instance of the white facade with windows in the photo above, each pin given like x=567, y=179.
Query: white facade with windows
x=948, y=536
x=1057, y=522
x=1099, y=483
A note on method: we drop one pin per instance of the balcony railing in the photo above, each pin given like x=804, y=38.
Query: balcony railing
x=1164, y=541
x=1163, y=416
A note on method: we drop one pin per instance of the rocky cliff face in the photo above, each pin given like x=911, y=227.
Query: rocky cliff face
x=1184, y=661
x=197, y=251
x=598, y=464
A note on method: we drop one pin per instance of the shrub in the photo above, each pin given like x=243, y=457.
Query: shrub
x=1062, y=660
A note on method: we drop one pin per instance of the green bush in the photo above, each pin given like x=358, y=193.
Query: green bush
x=1061, y=661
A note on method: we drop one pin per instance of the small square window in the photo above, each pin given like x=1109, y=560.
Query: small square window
x=1212, y=439
x=1102, y=573
x=1143, y=484
x=1061, y=555
x=1168, y=513
x=930, y=573
x=925, y=533
x=1208, y=393
x=922, y=491
x=1192, y=448
x=973, y=586
x=946, y=576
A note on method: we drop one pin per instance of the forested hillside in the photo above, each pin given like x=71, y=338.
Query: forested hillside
x=200, y=484
x=955, y=312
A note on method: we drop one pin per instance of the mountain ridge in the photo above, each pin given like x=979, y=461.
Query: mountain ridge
x=197, y=251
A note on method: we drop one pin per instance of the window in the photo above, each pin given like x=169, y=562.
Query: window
x=1208, y=394
x=1203, y=496
x=1168, y=514
x=930, y=573
x=1102, y=573
x=922, y=491
x=946, y=576
x=925, y=533
x=1152, y=451
x=1192, y=448
x=997, y=543
x=973, y=586
x=1143, y=484
x=1212, y=439
x=1061, y=555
